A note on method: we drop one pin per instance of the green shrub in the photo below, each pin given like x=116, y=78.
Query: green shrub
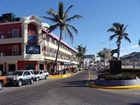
x=117, y=77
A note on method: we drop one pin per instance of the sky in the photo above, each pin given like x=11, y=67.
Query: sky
x=98, y=16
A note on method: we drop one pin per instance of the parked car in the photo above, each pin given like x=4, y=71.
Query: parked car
x=41, y=74
x=20, y=77
x=32, y=73
x=3, y=81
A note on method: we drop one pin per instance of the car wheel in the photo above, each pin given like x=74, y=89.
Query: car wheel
x=1, y=85
x=20, y=83
x=37, y=79
x=32, y=81
x=46, y=77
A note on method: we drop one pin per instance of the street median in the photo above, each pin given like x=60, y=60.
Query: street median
x=59, y=76
x=93, y=85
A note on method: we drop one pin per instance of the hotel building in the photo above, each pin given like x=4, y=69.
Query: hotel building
x=25, y=44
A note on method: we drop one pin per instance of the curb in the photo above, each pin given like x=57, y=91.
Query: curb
x=114, y=87
x=59, y=76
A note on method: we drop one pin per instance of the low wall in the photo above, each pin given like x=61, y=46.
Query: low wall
x=117, y=82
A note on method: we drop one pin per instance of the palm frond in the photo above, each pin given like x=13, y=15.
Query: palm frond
x=70, y=34
x=73, y=28
x=112, y=29
x=121, y=27
x=68, y=9
x=52, y=12
x=116, y=25
x=73, y=17
x=112, y=37
x=124, y=28
x=53, y=27
x=125, y=34
x=125, y=37
x=50, y=18
x=61, y=10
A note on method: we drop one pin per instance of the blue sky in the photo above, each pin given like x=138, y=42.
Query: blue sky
x=98, y=16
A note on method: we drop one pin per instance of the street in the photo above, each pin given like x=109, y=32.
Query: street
x=68, y=91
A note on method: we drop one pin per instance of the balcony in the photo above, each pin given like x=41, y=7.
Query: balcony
x=11, y=40
x=10, y=54
x=10, y=57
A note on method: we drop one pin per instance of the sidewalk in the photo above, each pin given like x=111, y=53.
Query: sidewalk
x=61, y=76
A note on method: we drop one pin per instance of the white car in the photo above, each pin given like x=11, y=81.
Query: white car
x=32, y=74
x=20, y=77
x=41, y=74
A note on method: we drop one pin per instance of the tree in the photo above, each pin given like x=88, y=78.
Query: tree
x=81, y=53
x=104, y=55
x=119, y=32
x=139, y=42
x=61, y=21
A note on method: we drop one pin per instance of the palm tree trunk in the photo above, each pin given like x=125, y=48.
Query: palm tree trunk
x=119, y=51
x=55, y=63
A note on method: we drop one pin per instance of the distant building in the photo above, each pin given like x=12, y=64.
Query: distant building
x=25, y=44
x=89, y=60
x=131, y=58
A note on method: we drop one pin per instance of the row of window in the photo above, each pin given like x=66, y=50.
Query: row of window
x=50, y=52
x=14, y=51
x=55, y=42
x=13, y=32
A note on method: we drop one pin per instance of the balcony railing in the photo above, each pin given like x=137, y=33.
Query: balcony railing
x=10, y=54
x=8, y=37
x=50, y=54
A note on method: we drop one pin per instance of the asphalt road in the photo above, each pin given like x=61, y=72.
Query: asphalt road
x=69, y=91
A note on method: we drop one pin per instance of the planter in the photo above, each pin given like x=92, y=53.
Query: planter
x=117, y=82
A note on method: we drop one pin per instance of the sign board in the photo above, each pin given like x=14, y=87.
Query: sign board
x=32, y=49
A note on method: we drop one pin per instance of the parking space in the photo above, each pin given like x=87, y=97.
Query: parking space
x=11, y=88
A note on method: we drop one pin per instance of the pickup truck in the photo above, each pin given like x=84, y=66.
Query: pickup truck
x=3, y=81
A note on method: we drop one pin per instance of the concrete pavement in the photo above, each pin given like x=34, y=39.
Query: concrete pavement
x=68, y=91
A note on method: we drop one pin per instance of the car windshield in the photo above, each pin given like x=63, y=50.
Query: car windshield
x=17, y=73
x=36, y=72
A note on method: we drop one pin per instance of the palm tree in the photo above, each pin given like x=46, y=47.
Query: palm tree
x=119, y=32
x=61, y=21
x=81, y=53
x=104, y=55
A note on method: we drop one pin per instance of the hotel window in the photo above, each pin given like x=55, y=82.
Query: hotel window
x=11, y=67
x=56, y=43
x=15, y=33
x=15, y=49
x=53, y=41
x=1, y=34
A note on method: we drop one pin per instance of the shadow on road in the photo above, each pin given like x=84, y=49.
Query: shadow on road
x=81, y=83
x=134, y=104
